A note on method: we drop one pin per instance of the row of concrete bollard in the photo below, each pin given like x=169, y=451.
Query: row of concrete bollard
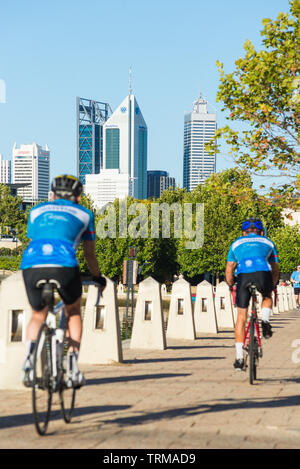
x=101, y=339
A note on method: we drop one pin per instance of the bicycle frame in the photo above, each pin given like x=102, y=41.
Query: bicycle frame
x=254, y=318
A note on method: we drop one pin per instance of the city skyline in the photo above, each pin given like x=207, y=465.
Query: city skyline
x=171, y=62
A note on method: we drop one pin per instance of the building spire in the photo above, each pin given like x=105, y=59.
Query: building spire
x=130, y=81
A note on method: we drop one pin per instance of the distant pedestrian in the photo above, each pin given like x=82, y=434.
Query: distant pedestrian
x=295, y=279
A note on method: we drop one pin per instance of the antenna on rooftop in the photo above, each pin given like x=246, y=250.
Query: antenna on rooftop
x=130, y=81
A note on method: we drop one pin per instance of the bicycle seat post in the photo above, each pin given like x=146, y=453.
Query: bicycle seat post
x=48, y=295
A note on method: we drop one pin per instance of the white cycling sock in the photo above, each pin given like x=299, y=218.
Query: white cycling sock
x=265, y=314
x=239, y=350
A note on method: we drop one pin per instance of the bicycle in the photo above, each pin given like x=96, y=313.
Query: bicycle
x=49, y=361
x=253, y=348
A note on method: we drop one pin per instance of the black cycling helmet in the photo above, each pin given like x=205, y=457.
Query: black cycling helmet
x=252, y=223
x=66, y=187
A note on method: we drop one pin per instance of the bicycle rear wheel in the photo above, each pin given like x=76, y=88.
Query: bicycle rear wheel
x=42, y=372
x=252, y=354
x=66, y=394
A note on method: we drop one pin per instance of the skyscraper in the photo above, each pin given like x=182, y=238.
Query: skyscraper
x=31, y=168
x=199, y=128
x=124, y=153
x=157, y=182
x=91, y=116
x=5, y=170
x=125, y=144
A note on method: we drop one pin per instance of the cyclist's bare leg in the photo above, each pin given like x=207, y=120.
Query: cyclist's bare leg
x=267, y=303
x=35, y=323
x=240, y=324
x=74, y=325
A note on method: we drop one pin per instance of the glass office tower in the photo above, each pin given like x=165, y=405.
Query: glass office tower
x=91, y=115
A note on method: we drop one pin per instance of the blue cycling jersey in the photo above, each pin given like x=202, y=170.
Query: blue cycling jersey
x=56, y=229
x=296, y=276
x=253, y=253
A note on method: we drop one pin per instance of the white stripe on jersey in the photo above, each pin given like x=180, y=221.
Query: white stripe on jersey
x=76, y=212
x=249, y=239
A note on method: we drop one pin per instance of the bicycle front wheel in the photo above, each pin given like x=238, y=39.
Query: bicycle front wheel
x=66, y=394
x=42, y=372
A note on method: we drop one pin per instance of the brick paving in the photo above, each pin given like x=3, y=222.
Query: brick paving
x=185, y=397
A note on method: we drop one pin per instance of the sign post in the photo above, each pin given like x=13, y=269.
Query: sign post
x=130, y=271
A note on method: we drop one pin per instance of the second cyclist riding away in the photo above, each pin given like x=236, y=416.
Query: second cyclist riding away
x=253, y=259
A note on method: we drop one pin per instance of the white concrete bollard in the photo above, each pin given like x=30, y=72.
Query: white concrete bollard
x=101, y=335
x=15, y=313
x=224, y=307
x=181, y=319
x=205, y=312
x=280, y=299
x=148, y=326
x=291, y=297
x=285, y=298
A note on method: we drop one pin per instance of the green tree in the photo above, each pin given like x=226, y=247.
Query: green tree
x=264, y=93
x=287, y=241
x=228, y=199
x=11, y=214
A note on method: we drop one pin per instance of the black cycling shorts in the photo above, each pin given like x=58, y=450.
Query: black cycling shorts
x=68, y=277
x=297, y=291
x=263, y=282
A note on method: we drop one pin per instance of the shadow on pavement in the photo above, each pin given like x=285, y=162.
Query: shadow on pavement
x=120, y=379
x=10, y=421
x=177, y=359
x=227, y=405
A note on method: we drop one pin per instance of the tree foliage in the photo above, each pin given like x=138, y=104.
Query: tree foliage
x=263, y=92
x=287, y=241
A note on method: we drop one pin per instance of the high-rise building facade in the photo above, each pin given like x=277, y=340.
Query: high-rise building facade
x=199, y=128
x=31, y=168
x=157, y=182
x=125, y=144
x=5, y=171
x=124, y=153
x=91, y=116
x=107, y=186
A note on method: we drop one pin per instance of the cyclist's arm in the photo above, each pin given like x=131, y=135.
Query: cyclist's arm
x=89, y=254
x=275, y=272
x=229, y=272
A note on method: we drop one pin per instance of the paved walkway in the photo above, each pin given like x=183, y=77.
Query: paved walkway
x=187, y=396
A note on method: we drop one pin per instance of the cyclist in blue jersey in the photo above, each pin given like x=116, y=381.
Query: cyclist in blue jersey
x=56, y=228
x=252, y=258
x=295, y=280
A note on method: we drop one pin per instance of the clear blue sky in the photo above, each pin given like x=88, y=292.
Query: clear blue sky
x=53, y=51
